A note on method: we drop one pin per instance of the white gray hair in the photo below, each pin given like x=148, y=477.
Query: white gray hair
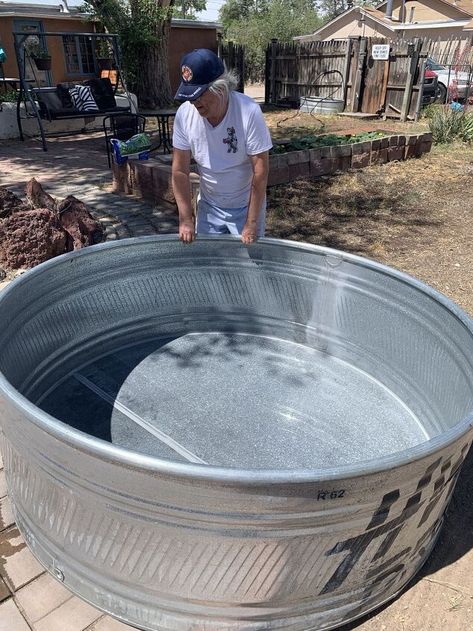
x=224, y=84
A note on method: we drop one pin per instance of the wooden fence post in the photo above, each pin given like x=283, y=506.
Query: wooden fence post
x=421, y=89
x=346, y=71
x=272, y=70
x=357, y=87
x=411, y=75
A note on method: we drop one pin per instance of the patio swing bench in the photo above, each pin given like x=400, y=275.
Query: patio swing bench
x=55, y=104
x=51, y=103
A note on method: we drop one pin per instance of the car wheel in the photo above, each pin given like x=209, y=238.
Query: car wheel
x=441, y=95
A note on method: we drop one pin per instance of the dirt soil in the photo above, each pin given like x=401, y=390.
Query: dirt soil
x=416, y=216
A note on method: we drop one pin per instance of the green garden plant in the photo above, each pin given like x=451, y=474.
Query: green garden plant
x=10, y=96
x=312, y=141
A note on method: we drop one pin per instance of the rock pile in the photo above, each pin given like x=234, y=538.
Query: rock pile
x=42, y=227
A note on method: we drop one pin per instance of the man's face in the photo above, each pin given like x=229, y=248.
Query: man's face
x=208, y=104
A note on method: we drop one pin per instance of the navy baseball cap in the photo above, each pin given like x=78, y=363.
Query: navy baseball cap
x=198, y=69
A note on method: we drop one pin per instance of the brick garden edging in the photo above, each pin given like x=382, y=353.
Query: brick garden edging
x=151, y=179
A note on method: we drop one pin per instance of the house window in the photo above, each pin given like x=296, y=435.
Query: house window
x=79, y=54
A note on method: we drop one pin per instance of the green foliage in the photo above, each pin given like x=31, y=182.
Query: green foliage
x=186, y=9
x=467, y=131
x=103, y=48
x=253, y=23
x=448, y=125
x=10, y=96
x=429, y=110
x=313, y=141
x=332, y=8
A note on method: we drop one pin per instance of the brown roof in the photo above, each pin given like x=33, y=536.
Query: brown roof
x=464, y=5
x=376, y=13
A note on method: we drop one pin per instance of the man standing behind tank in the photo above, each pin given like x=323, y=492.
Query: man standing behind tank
x=227, y=136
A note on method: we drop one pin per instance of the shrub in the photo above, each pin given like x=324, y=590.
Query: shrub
x=10, y=96
x=467, y=131
x=448, y=124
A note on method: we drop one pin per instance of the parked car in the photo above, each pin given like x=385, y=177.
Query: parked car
x=458, y=82
x=429, y=94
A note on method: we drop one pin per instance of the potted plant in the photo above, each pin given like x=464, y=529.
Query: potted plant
x=37, y=52
x=104, y=54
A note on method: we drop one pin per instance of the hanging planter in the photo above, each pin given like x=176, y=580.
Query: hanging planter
x=43, y=62
x=36, y=50
x=104, y=54
x=105, y=63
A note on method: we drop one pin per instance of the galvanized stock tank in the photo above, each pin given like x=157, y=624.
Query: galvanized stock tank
x=218, y=437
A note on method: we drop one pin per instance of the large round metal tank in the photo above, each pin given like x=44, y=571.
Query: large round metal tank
x=221, y=437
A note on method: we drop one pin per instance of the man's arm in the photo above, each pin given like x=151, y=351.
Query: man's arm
x=182, y=192
x=260, y=164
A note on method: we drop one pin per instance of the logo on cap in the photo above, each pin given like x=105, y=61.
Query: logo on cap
x=186, y=73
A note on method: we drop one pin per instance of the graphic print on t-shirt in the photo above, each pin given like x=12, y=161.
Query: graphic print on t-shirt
x=231, y=140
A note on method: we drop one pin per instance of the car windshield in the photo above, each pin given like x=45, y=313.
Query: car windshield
x=433, y=65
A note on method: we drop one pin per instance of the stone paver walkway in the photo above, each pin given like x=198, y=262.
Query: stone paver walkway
x=78, y=166
x=30, y=599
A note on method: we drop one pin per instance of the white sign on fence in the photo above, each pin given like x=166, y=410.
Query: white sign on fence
x=380, y=52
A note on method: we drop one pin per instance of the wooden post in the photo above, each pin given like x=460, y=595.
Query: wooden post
x=421, y=89
x=411, y=75
x=346, y=71
x=272, y=70
x=357, y=86
x=241, y=57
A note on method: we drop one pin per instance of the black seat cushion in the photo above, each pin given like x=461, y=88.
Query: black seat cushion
x=62, y=90
x=102, y=91
x=49, y=102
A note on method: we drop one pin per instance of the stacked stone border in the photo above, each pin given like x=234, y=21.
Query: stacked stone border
x=151, y=179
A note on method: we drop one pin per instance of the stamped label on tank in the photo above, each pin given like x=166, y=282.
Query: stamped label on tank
x=330, y=495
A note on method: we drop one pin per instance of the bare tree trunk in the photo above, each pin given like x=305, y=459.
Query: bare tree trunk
x=146, y=66
x=153, y=87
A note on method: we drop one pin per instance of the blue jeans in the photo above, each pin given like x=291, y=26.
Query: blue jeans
x=215, y=220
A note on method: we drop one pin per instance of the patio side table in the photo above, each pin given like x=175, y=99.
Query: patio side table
x=163, y=117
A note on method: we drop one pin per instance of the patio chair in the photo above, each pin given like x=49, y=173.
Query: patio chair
x=122, y=127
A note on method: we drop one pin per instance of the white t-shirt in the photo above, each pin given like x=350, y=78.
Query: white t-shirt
x=221, y=152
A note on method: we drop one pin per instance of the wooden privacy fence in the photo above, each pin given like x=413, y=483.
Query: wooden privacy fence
x=309, y=69
x=346, y=70
x=234, y=57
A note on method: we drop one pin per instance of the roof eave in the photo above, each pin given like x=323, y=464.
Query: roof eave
x=449, y=4
x=57, y=16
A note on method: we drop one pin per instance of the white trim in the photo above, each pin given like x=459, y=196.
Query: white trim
x=429, y=25
x=44, y=16
x=180, y=23
x=448, y=4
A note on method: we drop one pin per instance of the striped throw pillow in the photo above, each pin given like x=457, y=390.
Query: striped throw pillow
x=82, y=98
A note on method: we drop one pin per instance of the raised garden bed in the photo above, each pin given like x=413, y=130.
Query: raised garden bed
x=151, y=179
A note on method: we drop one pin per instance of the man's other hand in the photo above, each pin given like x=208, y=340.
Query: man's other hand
x=248, y=234
x=186, y=231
